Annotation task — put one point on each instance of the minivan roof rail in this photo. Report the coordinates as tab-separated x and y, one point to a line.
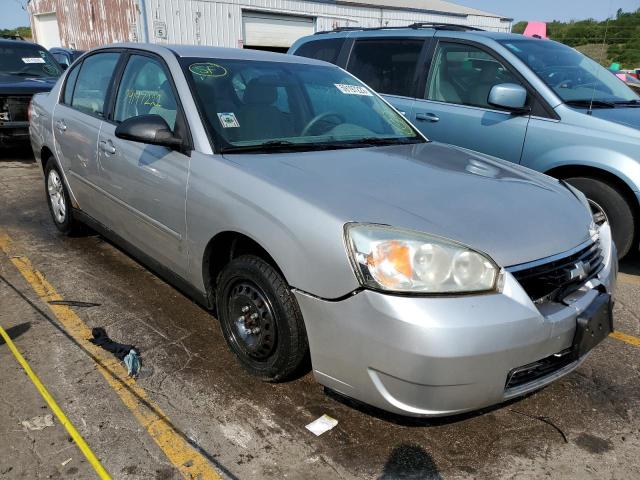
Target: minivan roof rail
414	26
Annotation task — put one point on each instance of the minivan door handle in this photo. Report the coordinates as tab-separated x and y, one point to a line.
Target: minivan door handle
427	117
61	126
107	146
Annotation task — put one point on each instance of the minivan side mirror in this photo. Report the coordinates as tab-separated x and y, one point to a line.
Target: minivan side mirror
510	96
151	129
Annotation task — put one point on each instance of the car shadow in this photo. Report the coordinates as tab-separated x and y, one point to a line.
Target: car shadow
17	153
410	462
631	264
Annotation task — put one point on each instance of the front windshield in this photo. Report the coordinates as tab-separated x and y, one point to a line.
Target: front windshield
277	105
27	60
573	76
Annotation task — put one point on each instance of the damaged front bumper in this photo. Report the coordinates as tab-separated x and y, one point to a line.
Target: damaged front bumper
436	356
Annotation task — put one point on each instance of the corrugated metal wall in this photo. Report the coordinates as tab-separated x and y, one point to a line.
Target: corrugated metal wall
89	23
85	24
213	22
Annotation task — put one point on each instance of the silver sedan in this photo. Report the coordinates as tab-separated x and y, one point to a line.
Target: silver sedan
322	228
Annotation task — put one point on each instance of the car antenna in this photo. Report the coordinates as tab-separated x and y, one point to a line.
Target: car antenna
604	45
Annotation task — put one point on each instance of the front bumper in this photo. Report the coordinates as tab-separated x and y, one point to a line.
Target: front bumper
436	356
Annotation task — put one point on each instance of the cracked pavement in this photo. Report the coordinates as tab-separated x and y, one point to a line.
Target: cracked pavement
585	426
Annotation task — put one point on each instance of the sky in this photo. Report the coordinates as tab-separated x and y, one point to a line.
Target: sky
541	10
547	10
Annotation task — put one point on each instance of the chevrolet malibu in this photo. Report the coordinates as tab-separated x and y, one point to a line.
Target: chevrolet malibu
321	227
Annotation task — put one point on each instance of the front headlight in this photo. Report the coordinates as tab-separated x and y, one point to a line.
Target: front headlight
398	260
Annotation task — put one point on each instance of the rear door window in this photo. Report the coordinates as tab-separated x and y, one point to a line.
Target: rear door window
326	50
93	83
387	65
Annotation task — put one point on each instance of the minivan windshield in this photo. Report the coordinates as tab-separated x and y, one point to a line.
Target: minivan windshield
278	106
574	77
27	60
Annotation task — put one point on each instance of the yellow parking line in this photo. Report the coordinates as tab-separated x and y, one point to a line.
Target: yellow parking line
190	462
82	445
623	337
628	279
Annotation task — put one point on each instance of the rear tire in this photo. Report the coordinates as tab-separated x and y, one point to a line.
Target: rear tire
605	197
59	200
261	320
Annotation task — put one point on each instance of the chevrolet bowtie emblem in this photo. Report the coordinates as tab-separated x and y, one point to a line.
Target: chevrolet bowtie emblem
579	271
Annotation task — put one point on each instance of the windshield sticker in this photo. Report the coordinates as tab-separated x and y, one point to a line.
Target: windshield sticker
208	70
228	120
50	69
33	60
353	89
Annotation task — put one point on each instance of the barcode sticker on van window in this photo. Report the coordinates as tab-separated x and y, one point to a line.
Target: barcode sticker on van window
228	120
353	89
33	60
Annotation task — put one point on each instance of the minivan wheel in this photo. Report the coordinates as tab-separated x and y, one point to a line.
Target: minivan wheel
59	201
260	319
607	204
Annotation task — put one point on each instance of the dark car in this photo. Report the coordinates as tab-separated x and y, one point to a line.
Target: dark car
25	68
65	56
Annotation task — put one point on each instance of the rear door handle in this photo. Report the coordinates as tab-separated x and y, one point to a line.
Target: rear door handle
61	126
427	117
107	146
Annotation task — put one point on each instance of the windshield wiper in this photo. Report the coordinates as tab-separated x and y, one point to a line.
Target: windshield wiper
588	103
21	74
377	141
629	103
280	146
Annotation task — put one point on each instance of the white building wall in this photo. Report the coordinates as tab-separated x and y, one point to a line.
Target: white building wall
213	22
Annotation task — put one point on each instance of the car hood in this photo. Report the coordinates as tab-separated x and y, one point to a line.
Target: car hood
628	116
511	213
17	85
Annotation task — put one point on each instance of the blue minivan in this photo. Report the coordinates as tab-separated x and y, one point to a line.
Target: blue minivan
534	102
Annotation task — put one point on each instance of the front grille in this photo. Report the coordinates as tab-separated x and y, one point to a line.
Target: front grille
17	108
540	369
557	278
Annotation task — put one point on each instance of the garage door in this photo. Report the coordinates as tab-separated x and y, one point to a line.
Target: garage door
47	32
274	32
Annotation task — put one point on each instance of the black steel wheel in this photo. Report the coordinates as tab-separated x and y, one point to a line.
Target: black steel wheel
260	319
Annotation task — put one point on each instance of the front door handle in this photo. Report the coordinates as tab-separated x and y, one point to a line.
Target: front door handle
107	146
61	126
427	117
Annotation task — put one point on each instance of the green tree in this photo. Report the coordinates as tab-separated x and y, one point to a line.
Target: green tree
621	35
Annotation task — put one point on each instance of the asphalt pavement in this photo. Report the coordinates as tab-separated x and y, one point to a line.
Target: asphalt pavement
194	413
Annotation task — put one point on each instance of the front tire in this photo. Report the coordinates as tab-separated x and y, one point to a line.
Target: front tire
608	204
59	201
260	319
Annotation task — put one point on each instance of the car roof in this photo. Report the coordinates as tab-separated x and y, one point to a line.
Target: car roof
10	41
201	51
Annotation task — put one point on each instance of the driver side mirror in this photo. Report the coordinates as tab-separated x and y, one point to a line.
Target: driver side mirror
151	129
510	96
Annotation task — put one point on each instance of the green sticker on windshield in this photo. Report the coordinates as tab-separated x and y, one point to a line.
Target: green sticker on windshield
208	70
51	70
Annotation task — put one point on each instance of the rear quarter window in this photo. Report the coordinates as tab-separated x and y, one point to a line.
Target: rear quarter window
387	65
326	50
